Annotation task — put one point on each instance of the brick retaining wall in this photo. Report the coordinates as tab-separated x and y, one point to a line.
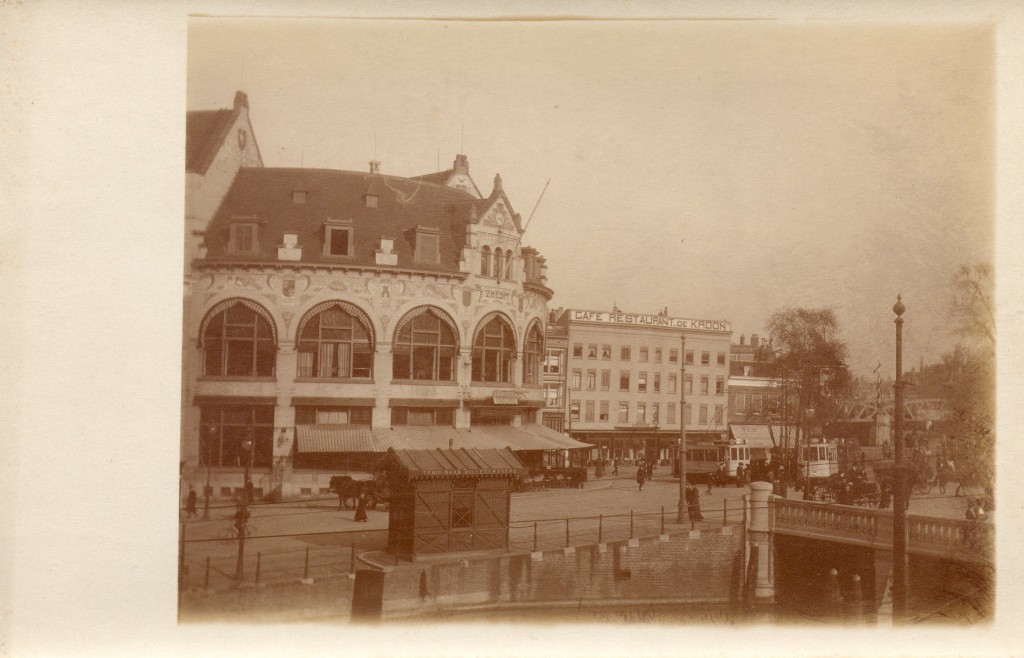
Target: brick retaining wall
699	567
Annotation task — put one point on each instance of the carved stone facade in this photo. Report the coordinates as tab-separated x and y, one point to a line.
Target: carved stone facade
273	265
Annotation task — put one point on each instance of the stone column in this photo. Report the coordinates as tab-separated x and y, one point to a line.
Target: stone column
759	529
383	364
286	369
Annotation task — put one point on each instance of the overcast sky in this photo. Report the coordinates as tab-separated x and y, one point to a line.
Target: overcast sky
724	170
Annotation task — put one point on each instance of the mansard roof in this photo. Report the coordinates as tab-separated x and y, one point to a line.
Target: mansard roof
265	196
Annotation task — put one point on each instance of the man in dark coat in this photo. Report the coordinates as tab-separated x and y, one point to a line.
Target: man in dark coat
641	476
693	502
190	502
361	507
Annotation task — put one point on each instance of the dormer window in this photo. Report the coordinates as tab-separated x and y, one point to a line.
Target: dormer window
243	238
298	196
371	200
428	242
338	239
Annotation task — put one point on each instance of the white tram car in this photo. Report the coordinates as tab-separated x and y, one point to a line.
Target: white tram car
819	460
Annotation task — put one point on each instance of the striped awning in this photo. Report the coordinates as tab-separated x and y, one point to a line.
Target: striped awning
755	436
345	438
334	438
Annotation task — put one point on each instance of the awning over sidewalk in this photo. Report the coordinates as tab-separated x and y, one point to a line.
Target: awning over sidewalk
334	438
344	438
779	432
755	436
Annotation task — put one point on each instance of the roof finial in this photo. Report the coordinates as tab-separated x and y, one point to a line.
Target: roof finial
497	182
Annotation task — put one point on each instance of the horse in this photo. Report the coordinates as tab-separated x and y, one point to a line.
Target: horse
346	489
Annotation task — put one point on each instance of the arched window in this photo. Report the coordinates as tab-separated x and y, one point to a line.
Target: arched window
493	349
334	343
238	341
424	348
499	263
532	355
485	261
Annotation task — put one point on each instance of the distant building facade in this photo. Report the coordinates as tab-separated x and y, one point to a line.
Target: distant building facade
556	349
332	315
623	381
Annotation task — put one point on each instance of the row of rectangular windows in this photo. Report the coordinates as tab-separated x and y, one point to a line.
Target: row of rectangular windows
640	412
642	381
625	354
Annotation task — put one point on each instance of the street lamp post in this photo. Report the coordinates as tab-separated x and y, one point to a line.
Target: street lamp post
242	515
207	489
682	514
899	526
808	492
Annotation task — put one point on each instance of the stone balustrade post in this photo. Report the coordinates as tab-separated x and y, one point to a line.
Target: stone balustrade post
759	535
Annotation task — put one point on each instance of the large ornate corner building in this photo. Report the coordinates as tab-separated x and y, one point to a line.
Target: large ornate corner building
331	315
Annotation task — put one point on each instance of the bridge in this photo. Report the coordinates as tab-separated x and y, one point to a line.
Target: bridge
795	545
964	541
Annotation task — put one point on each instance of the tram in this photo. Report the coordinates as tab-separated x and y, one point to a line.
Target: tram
703	458
818	461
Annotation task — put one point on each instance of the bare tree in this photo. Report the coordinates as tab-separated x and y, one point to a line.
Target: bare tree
971	372
972	305
807	351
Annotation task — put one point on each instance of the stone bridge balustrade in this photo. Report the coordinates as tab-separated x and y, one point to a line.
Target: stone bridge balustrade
970	541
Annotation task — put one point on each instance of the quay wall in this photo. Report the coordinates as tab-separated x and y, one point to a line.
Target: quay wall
703	566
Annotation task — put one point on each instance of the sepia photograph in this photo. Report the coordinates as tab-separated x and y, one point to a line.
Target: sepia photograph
588	321
511	330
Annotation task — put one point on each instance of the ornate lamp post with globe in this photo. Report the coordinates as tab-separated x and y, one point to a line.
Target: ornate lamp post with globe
900	493
682	514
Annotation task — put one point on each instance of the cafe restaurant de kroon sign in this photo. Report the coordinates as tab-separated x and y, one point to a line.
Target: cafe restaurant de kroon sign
645	320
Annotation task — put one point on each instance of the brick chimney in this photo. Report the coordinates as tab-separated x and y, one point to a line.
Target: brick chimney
374	166
461	164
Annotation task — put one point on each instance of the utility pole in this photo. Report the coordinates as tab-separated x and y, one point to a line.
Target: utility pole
682	515
899	513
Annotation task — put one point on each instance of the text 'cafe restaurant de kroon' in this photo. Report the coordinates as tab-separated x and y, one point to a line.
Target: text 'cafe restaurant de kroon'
623	377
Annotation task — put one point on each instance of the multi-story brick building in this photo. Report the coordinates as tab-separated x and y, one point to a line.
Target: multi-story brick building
556	348
330	315
623	380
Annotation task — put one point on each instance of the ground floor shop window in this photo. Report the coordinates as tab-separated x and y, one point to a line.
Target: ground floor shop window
224	428
422	416
491	416
332	415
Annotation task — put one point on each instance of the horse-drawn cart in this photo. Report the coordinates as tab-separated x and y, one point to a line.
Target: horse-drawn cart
848	489
348	488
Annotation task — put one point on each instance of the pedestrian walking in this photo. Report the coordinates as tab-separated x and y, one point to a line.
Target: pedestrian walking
361	507
641	477
941	477
650	470
692	496
190	502
974	510
885	495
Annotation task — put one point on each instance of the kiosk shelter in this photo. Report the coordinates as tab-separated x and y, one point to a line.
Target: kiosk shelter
448	501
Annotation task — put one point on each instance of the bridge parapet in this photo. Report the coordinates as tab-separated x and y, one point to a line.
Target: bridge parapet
969	541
